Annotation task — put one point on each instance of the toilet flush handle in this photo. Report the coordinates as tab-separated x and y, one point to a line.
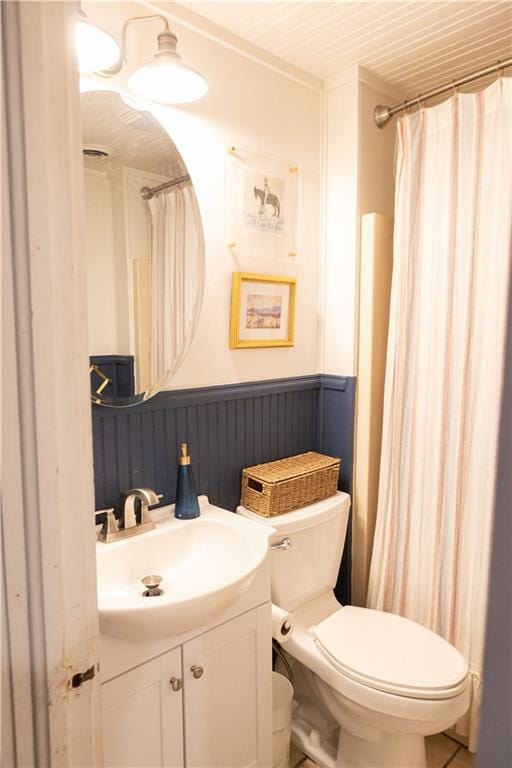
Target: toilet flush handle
284	544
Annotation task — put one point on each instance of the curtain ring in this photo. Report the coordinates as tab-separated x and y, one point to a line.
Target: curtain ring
421	101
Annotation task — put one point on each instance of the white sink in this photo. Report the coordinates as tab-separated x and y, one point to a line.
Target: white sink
206	564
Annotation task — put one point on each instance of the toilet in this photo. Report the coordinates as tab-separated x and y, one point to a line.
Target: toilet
368	685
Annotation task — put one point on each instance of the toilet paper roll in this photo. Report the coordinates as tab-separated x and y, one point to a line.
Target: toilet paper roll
282	624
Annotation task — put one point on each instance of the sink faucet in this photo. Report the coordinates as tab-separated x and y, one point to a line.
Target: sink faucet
128	525
146	497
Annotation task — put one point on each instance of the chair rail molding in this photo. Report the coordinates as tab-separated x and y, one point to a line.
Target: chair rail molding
49	613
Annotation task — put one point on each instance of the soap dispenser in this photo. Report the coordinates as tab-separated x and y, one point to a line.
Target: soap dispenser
187	505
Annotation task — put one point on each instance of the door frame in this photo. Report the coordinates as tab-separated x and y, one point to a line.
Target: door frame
50	716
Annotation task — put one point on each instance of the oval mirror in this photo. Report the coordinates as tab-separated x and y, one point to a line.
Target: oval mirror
144	250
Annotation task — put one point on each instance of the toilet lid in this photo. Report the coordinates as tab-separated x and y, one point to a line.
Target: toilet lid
391	653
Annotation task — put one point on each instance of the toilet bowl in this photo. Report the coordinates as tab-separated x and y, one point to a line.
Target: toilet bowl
369	685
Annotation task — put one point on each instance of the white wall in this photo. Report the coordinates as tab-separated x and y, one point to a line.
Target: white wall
99	256
341	184
256	102
376	147
359	179
253	106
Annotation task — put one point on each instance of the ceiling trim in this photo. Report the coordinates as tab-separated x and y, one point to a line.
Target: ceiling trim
363	75
208	29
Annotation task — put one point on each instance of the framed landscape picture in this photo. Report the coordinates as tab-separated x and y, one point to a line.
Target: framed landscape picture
262	311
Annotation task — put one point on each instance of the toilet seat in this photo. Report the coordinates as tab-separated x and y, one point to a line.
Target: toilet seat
390	653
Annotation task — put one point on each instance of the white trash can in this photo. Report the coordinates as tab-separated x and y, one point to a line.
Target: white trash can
282	695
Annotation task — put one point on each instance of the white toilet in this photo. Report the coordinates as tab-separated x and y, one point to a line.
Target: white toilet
369	685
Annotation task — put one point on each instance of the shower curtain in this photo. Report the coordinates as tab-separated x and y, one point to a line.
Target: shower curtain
176	279
452	254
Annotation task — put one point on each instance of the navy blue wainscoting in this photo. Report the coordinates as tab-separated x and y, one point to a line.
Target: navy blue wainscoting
227	428
336	428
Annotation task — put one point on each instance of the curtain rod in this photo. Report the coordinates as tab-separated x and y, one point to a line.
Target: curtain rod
383	115
148	192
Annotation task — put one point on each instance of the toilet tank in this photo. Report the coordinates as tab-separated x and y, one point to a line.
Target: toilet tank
311	565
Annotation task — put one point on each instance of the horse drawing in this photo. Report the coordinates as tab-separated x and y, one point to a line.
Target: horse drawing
259	194
267	198
273	200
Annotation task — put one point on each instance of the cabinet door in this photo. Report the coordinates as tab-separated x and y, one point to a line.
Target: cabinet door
172	709
143	717
228	706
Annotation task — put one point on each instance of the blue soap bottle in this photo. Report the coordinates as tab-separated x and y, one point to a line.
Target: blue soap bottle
187	505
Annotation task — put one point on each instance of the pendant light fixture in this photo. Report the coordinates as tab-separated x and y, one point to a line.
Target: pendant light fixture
95	48
166	79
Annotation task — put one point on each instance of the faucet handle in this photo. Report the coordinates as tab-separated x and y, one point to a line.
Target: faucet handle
151	496
148	498
145	514
110	525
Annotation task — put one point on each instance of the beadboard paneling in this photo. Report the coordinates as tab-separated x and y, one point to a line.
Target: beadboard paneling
412	45
336	422
336	426
227	428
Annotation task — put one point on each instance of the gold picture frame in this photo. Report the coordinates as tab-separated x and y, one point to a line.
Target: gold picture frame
262	311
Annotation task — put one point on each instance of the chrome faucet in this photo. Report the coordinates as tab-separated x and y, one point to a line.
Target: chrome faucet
128	525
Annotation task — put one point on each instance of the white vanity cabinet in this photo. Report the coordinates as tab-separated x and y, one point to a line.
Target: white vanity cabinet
143	716
228	709
204	704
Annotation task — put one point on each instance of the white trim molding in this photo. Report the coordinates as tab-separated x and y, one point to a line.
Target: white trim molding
49	589
185	17
363	75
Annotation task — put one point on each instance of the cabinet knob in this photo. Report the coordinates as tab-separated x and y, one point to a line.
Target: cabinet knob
176	683
197	671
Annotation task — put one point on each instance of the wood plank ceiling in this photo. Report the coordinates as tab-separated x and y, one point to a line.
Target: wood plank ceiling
134	139
414	45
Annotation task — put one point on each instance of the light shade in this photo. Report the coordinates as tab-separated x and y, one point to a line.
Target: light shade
167	80
96	49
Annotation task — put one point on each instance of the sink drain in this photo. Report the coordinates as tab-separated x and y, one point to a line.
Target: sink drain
152	586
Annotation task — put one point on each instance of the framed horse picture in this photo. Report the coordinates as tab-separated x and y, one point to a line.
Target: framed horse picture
262	195
262	311
264	208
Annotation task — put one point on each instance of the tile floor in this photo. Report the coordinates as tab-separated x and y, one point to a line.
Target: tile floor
442	751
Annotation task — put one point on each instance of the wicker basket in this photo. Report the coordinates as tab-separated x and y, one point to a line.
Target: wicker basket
280	486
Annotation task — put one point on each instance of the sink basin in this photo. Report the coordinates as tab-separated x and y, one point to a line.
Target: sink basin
205	563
